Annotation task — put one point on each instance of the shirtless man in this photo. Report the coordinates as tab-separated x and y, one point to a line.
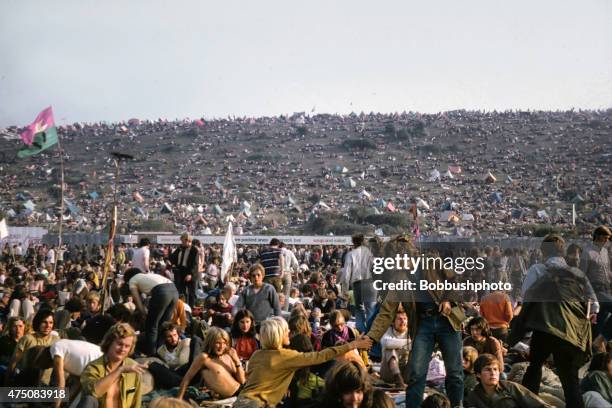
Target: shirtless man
219	365
114	380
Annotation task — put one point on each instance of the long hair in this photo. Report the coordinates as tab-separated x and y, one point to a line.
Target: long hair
480	323
40	316
347	377
118	331
212	336
241	314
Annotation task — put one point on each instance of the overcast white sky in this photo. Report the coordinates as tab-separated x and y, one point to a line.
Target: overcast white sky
115	59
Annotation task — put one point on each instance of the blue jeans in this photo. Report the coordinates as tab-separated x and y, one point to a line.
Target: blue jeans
365	300
161	306
432	330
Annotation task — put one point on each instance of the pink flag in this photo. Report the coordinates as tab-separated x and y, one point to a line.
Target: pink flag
417	231
43	121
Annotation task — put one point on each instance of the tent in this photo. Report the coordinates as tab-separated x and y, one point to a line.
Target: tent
380	203
365	195
322	206
218	209
516	214
93	195
490	178
448	174
542	214
207	231
22	196
434	175
198	122
340	169
11	213
29	205
139	211
454	169
449	205
137	197
422	204
496	197
578	199
447	216
246	205
467	217
166	209
70	207
349	183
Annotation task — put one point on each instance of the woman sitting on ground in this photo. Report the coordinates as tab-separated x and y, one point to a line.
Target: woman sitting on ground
347	385
272	368
244	337
482	340
219	366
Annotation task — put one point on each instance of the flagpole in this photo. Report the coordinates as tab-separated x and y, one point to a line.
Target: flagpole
61	215
111	238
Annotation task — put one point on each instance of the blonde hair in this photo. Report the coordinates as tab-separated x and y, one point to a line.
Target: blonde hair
168	402
212	336
118	331
93	296
272	333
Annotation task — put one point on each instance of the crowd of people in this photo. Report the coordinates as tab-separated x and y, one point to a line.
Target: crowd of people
303	326
377	163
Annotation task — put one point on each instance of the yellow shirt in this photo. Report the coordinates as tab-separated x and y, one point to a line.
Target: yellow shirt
130	389
271	371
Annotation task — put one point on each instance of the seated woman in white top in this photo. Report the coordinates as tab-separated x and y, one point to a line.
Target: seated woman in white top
163	297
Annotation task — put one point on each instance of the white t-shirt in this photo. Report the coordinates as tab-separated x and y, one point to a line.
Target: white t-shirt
76	354
51	256
140	259
145	282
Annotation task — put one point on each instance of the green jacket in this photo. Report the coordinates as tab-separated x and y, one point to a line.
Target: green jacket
507	395
388	310
556	305
130	387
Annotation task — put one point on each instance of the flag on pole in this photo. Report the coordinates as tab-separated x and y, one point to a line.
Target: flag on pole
229	252
40	135
3	229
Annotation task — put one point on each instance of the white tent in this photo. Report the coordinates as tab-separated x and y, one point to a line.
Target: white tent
434	175
467	217
448	174
422	204
365	194
349	183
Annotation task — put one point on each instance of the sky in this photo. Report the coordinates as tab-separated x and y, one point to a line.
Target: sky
114	60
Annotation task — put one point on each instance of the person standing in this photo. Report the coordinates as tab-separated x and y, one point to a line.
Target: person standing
185	261
290	266
140	257
595	263
271	259
259	298
357	275
163	298
556	310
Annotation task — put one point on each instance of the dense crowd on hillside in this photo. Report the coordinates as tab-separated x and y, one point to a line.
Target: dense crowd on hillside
470	173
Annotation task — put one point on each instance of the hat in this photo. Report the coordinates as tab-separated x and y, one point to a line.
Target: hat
602	231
